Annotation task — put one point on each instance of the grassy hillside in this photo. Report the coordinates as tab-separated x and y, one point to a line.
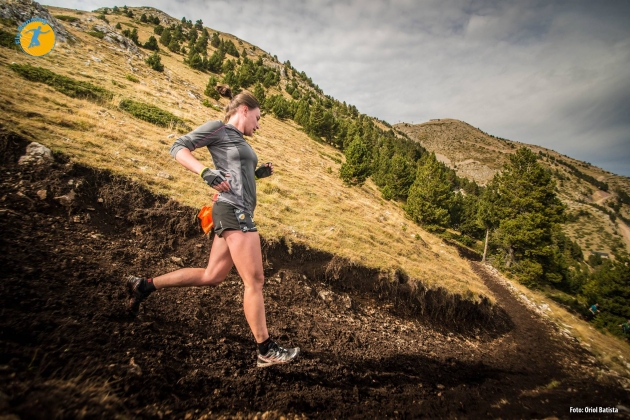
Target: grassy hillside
477	155
305	202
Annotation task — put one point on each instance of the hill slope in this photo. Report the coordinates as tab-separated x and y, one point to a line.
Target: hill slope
477	155
305	202
337	265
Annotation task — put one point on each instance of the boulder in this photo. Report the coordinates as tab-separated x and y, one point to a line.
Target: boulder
224	90
36	153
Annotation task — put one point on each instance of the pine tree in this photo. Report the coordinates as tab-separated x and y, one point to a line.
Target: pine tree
118	26
246	75
134	36
430	195
158	29
231	80
215	62
303	114
143	18
356	168
528	211
152	44
228	66
215	41
155	62
195	61
402	173
259	93
202	45
165	38
173	46
316	120
199	25
210	88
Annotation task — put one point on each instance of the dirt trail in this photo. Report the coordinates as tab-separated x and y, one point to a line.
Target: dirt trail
371	347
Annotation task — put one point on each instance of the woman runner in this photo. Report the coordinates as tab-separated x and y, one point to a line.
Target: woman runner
237	241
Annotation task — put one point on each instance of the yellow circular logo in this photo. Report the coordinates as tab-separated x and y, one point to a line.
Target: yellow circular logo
36	37
242	217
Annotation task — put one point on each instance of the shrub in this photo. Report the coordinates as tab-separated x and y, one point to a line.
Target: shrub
152	44
132	78
102	17
158	29
120	85
118	26
152	114
155	62
66	85
7	40
97	34
66	18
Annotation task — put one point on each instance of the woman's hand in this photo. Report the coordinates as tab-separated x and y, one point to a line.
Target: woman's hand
216	179
223	186
264	171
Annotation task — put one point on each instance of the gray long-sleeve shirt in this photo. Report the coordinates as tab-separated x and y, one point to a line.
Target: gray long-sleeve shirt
231	154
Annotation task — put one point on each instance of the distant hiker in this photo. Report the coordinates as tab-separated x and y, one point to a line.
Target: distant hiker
625	328
36	33
592	311
237	241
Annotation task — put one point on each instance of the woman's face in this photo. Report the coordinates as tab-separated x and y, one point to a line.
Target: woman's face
251	120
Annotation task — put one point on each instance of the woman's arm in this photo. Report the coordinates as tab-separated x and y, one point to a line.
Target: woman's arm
186	158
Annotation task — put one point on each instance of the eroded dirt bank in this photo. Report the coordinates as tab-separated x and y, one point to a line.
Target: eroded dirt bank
371	346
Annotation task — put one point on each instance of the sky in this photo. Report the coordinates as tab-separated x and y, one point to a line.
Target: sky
550	73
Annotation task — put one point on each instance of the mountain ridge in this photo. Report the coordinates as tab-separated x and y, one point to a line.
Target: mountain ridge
478	156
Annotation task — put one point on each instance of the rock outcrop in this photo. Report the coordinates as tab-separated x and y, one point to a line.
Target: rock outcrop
22	10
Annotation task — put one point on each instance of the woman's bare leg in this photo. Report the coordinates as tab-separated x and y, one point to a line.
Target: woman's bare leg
219	265
247	256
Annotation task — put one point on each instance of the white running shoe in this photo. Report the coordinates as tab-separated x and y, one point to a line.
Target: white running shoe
276	355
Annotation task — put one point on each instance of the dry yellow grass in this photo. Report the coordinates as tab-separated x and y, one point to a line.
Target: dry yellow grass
304	202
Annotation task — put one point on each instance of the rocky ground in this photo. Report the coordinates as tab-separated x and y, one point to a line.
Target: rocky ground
69	350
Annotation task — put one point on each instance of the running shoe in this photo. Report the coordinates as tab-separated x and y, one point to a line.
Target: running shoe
136	289
277	355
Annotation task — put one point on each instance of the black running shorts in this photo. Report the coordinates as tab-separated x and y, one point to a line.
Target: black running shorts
227	217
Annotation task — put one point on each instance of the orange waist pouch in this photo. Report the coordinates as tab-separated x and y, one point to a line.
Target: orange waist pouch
205	216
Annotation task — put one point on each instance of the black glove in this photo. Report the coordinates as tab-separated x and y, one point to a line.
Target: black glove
212	177
264	171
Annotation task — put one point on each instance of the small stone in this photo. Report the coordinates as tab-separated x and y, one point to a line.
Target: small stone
164	175
42	194
100	200
440	386
177	260
170	136
66	200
